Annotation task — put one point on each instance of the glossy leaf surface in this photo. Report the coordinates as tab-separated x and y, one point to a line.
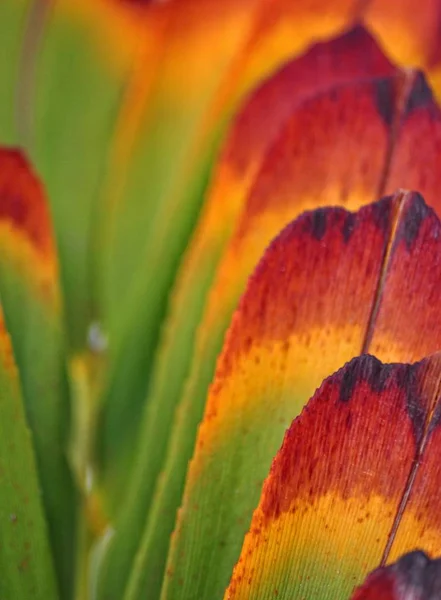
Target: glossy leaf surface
337	497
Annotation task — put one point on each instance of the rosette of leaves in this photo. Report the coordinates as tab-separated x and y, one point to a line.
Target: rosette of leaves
220	270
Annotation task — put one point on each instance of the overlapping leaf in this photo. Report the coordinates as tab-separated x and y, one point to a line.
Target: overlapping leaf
332	285
353	486
99	75
226	50
408	30
296	162
247	144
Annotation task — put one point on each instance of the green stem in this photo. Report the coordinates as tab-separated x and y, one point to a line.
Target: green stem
84	543
85	381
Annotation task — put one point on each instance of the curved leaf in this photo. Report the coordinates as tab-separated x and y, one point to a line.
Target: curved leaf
408	30
332	285
325	65
337	497
372	121
227	49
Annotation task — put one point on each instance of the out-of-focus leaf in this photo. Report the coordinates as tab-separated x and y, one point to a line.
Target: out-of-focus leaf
305	166
26	564
74	83
409	32
12	18
31	303
325	65
413	577
333	285
226	48
357	472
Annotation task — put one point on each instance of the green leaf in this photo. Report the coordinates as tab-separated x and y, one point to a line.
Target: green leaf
227	49
13	14
26	565
33	314
74	94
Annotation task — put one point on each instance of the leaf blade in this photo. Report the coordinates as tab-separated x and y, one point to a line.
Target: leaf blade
254	379
32	308
269	205
26	560
355	476
242	155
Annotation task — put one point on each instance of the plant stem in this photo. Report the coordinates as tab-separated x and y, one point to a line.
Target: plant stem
85	370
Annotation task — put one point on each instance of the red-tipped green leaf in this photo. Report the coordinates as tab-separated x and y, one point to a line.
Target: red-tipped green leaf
226	49
242	41
31	302
315	301
337	494
325	65
305	166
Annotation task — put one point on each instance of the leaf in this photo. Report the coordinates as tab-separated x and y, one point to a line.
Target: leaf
26	565
412	576
244	46
156	196
418	126
333	285
304	167
337	497
12	17
320	68
31	303
408	31
73	82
